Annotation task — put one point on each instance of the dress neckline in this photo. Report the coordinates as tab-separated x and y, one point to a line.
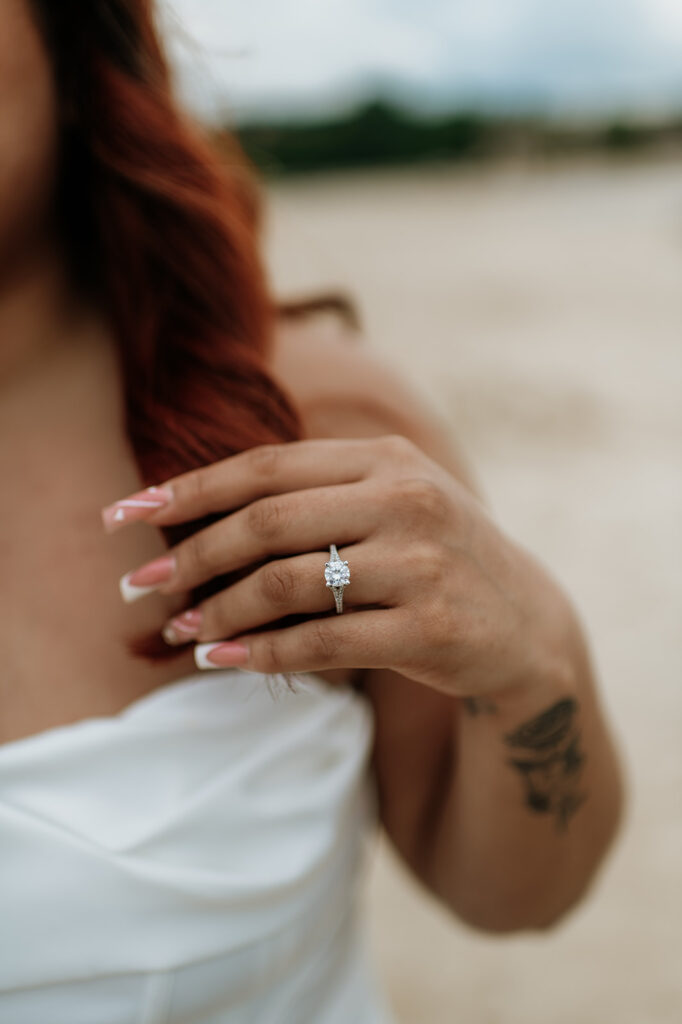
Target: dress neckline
160	695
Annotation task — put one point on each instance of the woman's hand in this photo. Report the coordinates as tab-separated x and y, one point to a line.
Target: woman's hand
437	592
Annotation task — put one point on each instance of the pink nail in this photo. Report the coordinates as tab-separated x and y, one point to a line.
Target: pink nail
137	506
183	627
146	579
220	655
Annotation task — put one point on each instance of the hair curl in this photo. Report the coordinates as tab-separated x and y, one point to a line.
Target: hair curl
165	233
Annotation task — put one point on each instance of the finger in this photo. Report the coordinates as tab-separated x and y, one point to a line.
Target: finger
290	586
361	639
280	525
247	476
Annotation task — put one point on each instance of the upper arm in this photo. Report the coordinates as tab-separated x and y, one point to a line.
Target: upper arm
347	390
343	390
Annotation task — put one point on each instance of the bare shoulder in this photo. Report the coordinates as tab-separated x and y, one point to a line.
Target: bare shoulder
344	388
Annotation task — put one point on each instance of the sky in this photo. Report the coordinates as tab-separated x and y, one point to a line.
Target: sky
264	58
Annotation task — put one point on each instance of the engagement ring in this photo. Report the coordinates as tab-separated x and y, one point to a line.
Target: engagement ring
336	576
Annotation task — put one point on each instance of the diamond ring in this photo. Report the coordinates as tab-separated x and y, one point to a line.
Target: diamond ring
336	576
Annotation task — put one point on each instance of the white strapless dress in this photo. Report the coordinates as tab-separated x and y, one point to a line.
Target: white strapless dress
195	859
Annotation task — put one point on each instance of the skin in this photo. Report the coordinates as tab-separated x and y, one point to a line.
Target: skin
62	445
498	779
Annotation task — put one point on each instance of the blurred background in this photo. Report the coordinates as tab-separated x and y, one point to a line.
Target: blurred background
498	185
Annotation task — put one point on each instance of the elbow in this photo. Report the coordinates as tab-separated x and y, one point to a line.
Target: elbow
533	908
537	893
515	915
504	920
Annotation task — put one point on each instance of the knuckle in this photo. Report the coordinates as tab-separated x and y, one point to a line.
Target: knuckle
427	561
195	488
420	498
264	460
278	584
323	645
195	557
266	518
268	657
396	445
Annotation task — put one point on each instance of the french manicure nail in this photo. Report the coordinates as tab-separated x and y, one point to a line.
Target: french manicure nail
143	581
182	628
137	506
220	655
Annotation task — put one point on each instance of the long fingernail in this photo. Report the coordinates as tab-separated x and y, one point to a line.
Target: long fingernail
137	506
182	628
147	579
220	655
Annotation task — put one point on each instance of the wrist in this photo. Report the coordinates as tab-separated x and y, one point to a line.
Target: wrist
553	668
535	693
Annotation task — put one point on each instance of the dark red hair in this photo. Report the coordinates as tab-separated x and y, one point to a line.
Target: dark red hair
165	234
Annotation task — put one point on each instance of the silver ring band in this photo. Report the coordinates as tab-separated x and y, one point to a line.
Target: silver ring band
336	576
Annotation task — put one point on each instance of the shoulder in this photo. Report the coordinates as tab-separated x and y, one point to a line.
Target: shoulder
344	388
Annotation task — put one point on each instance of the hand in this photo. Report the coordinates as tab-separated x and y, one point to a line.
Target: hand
437	592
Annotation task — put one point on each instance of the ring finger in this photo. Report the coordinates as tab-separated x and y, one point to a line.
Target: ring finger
286	586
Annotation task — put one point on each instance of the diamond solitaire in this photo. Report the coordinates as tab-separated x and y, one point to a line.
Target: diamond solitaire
336	576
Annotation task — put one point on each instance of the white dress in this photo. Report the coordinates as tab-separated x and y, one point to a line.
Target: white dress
194	859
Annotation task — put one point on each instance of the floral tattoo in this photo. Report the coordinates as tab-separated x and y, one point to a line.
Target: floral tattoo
550	761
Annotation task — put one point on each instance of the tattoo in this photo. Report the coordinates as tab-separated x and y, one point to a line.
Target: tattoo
553	762
479	706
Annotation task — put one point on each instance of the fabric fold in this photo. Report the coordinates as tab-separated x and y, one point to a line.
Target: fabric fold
209	818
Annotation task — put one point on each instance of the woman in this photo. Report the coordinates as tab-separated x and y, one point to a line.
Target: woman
182	841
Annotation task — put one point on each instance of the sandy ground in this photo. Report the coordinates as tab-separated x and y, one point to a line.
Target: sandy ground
539	310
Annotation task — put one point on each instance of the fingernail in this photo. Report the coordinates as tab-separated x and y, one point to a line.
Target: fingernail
147	579
137	506
182	628
220	655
